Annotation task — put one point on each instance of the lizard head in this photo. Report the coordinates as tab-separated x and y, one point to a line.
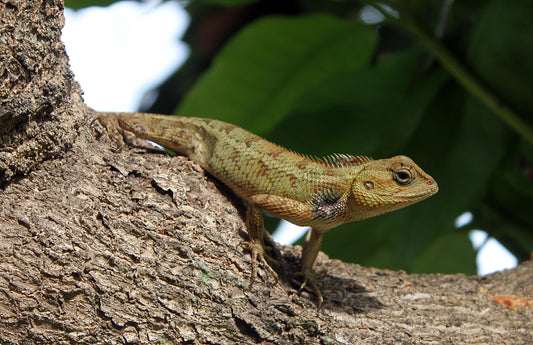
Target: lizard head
389	184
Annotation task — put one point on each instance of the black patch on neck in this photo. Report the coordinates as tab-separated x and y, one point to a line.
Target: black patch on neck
327	204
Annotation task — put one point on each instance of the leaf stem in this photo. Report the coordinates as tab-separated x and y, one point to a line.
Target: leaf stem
467	79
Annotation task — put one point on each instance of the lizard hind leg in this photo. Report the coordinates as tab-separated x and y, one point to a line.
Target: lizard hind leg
256	245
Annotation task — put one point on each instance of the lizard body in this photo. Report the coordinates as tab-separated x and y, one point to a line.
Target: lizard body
307	191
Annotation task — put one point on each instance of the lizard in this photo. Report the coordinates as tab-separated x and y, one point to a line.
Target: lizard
321	193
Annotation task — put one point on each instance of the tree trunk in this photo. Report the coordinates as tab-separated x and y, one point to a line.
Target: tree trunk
135	246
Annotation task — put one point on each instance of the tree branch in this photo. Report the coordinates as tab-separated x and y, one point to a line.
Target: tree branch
101	246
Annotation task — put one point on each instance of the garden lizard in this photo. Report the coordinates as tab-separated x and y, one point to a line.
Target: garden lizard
321	193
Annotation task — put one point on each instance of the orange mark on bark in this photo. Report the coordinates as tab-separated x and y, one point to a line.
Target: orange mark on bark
513	301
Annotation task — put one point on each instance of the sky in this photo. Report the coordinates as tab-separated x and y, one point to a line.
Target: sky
121	52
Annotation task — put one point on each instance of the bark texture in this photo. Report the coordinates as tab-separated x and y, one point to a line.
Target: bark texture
39	100
137	247
99	246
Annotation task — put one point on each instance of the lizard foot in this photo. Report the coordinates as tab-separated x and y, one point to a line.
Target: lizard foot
310	281
111	124
268	257
258	254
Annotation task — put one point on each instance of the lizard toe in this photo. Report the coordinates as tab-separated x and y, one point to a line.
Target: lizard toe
309	280
258	254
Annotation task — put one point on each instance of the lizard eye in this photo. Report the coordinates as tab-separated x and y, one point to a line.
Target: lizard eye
402	176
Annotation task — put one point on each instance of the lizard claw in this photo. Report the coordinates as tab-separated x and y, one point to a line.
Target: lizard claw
271	261
258	254
310	280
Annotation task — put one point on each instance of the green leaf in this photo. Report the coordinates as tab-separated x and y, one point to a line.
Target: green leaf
450	253
78	4
505	212
526	150
228	2
500	50
373	111
258	76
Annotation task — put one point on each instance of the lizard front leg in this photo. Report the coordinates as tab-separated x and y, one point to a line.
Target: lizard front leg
256	245
294	210
313	241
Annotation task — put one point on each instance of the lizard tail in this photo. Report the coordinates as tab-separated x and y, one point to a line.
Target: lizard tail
183	135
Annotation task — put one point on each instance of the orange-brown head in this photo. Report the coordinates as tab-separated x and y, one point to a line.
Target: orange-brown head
389	184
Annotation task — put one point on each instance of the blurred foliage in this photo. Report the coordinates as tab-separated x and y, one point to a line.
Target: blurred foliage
447	83
77	4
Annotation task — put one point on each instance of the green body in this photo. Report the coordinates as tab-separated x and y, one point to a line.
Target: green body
307	191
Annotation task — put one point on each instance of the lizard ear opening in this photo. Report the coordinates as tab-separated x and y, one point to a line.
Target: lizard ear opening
369	185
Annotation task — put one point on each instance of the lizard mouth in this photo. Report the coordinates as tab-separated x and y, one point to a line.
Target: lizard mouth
429	189
421	193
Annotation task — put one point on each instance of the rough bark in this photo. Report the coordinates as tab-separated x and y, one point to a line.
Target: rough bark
39	100
134	246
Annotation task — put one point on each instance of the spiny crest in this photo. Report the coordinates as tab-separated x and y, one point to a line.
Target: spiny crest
335	160
340	160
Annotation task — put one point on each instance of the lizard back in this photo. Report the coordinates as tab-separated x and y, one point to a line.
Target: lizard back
242	160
